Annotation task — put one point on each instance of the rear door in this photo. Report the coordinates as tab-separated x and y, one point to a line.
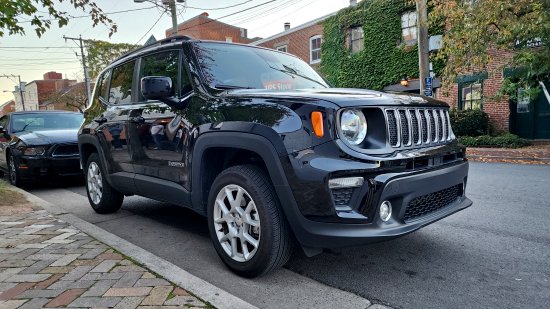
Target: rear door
157	133
117	95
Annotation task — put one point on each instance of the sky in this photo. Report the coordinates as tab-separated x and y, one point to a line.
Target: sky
34	56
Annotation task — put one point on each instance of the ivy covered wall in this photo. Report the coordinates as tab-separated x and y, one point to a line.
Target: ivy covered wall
384	59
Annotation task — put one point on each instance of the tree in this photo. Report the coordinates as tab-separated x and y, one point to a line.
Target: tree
42	13
475	27
101	54
74	97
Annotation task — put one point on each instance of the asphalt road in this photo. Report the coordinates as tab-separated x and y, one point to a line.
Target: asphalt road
496	254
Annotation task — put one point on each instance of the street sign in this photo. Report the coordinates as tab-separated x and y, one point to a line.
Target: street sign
429	90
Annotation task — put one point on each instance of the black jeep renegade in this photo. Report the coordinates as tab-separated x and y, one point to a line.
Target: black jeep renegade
276	159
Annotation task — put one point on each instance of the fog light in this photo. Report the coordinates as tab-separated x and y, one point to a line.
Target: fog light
349	182
385	211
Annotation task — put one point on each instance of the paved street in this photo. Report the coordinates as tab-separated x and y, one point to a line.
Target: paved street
495	254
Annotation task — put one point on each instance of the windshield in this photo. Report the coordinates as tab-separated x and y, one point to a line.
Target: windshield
46	121
226	66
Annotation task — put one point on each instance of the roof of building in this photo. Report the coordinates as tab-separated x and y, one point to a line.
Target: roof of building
291	30
203	15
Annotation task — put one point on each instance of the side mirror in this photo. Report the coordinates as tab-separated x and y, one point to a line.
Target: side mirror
156	87
161	88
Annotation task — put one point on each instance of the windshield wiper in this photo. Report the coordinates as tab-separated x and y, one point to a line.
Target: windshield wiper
290	71
224	86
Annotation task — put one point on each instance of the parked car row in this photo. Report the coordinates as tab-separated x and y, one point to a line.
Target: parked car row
259	143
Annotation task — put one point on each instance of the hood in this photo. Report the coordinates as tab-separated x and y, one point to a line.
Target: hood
343	97
48	137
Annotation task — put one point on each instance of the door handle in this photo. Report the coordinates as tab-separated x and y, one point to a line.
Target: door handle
100	120
138	119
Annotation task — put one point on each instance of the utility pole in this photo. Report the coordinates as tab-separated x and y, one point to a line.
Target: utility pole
86	73
423	44
18	87
174	13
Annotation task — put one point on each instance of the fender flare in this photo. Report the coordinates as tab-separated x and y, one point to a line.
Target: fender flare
89	139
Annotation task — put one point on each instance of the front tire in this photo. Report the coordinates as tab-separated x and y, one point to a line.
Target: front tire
103	198
246	224
13	171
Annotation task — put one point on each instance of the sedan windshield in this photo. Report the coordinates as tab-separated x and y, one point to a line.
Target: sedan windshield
46	121
226	66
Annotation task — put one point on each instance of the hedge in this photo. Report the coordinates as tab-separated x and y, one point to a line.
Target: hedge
470	122
507	140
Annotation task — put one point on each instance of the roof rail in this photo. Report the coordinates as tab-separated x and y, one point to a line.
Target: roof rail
171	39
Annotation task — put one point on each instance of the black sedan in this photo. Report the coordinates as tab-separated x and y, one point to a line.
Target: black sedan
39	144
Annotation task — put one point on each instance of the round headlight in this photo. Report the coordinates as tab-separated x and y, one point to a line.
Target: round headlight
354	126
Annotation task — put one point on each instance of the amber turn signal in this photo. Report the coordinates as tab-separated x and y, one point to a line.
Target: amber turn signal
317	123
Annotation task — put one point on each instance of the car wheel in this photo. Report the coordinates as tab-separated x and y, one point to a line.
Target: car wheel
13	171
246	224
103	198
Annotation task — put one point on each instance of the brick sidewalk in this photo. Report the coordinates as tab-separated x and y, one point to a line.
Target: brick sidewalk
46	263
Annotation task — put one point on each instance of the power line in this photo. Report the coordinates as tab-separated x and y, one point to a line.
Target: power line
156	22
33	47
89	15
217	19
214	9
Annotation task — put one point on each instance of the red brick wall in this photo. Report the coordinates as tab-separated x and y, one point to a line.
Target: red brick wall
52	75
498	110
8	108
204	28
297	41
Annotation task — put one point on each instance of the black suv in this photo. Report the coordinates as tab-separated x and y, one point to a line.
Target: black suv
263	146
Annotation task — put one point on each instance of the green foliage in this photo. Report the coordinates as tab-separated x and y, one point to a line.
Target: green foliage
470	122
477	28
384	59
14	14
507	140
101	54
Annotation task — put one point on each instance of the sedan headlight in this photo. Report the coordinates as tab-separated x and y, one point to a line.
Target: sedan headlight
353	126
34	151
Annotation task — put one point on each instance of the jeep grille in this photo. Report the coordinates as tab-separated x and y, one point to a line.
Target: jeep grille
408	127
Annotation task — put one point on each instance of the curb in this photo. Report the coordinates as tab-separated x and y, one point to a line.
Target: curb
208	292
508	158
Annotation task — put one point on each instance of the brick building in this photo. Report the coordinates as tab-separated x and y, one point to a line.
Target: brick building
203	27
36	93
303	41
7	107
72	98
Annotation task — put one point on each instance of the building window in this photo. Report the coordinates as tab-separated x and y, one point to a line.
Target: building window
315	49
471	96
408	27
229	39
282	48
356	40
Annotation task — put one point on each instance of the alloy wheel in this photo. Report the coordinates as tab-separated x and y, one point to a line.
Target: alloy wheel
95	183
237	223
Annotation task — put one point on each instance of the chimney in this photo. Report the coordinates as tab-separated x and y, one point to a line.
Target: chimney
352	2
287	26
205	14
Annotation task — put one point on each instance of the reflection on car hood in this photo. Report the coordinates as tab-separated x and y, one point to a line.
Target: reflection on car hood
48	136
343	97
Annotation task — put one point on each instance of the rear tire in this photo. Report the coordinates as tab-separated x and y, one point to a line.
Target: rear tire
103	198
246	223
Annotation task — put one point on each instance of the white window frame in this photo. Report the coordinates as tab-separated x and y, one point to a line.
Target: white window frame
311	50
353	39
281	47
409	27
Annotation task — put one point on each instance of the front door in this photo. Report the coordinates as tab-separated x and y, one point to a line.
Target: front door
531	118
157	134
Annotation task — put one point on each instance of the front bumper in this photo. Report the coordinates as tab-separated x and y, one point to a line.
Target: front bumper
400	190
43	167
317	222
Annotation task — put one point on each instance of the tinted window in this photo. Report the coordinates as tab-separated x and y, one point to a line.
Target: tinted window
44	122
161	64
120	90
227	66
104	83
